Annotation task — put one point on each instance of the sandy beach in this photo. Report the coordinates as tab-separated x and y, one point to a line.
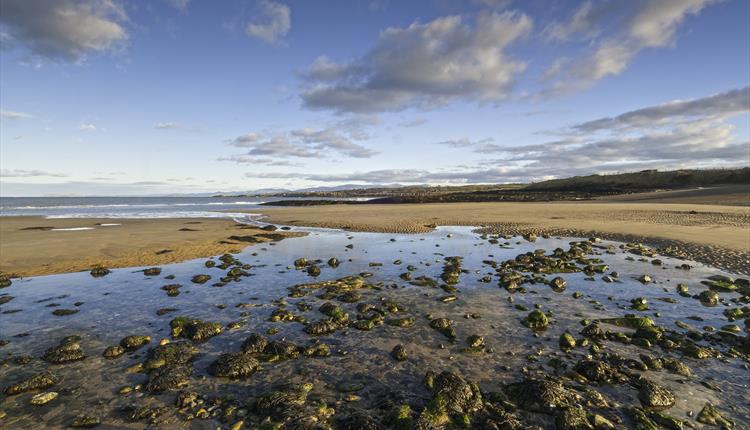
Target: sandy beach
713	234
31	246
708	233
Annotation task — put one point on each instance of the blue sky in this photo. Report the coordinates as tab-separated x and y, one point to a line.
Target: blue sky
113	97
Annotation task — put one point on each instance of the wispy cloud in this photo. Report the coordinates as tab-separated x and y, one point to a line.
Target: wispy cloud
87	126
180	5
423	65
21	173
166	125
614	32
13	115
272	23
337	140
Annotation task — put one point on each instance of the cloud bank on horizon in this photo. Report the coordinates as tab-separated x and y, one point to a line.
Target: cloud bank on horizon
185	96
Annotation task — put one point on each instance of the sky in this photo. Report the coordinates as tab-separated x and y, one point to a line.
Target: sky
110	97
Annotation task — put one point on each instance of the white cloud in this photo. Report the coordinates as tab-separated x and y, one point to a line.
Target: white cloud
274	22
674	135
678	133
724	104
13	115
166	125
614	33
87	126
423	65
63	29
21	173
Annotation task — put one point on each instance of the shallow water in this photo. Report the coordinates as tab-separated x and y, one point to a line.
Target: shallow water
125	302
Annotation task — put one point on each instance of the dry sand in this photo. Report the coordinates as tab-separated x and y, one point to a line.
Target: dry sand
718	235
28	246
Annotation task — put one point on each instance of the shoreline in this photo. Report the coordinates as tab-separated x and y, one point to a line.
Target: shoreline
715	235
31	245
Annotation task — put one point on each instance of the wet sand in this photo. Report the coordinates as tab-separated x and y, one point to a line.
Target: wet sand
713	234
31	246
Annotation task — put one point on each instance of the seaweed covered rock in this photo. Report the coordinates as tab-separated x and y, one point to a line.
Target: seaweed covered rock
599	372
444	326
451	270
99	271
653	395
194	329
709	298
322	327
332	288
536	320
35	382
567	342
113	351
399	353
454	400
541	395
69	349
573	418
282	349
152	271
234	365
170	377
255	343
169	354
5	280
710	415
84	421
200	279
134	342
558	284
282	404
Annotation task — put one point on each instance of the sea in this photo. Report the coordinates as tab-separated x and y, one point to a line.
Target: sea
133	207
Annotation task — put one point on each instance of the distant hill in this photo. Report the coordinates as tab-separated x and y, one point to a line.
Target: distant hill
646	180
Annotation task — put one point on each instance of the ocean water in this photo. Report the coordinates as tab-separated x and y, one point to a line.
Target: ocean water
130	207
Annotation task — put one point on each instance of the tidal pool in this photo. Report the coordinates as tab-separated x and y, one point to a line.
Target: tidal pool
356	382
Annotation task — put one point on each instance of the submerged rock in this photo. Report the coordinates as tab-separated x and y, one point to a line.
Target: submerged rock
84	422
44	398
36	382
66	351
444	326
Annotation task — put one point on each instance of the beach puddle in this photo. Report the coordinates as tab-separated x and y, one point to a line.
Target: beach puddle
639	350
